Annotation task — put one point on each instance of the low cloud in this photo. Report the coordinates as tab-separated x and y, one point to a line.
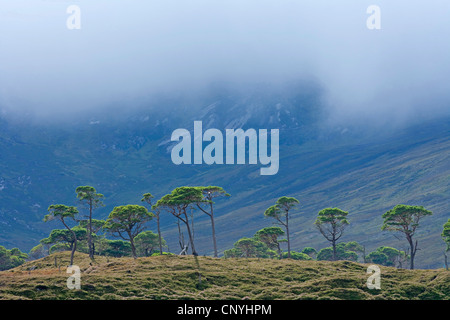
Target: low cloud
127	50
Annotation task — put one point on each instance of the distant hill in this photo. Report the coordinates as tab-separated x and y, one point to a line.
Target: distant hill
360	168
177	277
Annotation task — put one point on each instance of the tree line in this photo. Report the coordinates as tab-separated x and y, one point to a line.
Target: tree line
331	223
127	225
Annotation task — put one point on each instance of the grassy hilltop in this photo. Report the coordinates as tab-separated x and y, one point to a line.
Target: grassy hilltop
176	277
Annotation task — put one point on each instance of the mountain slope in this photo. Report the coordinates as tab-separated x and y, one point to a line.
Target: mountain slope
365	171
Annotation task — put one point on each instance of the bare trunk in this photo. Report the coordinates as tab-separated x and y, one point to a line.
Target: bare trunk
279	250
191	239
364	254
287	236
445	260
333	243
91	251
413	249
213	231
74	248
213	228
133	248
180	236
159	234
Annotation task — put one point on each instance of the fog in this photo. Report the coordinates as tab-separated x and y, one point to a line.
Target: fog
131	50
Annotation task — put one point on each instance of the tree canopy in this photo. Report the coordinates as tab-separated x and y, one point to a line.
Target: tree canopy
331	223
11	258
405	219
62	212
280	212
89	195
127	222
177	202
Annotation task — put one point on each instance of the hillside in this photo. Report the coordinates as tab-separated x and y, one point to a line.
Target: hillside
176	277
361	169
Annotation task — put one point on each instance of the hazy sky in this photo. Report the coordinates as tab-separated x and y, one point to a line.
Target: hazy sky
127	49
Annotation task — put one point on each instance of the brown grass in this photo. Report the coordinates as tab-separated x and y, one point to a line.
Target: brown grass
177	277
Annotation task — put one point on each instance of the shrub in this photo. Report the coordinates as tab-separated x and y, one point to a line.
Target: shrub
297	256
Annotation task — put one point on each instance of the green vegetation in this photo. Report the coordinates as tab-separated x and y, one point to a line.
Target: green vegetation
147	198
209	193
123	160
297	256
249	248
127	222
255	267
280	212
446	237
340	252
147	242
115	248
331	223
269	236
177	203
388	256
89	196
63	239
405	219
62	212
11	258
309	251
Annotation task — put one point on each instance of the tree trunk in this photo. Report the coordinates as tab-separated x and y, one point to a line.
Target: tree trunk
279	250
133	248
180	235
159	234
445	260
333	243
287	235
91	251
413	249
191	240
74	247
213	231
364	254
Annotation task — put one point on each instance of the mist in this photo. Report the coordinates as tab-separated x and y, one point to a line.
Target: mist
129	51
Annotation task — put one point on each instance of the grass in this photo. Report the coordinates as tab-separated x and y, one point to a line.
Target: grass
177	278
